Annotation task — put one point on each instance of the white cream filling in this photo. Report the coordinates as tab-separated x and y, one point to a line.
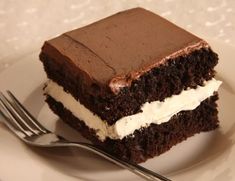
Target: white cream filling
154	112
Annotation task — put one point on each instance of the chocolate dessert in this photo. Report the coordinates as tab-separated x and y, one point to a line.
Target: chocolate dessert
133	83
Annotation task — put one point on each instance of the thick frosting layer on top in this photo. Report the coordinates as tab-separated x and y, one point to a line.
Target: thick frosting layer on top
119	49
154	112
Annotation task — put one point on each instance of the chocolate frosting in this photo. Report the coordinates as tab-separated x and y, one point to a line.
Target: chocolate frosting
119	49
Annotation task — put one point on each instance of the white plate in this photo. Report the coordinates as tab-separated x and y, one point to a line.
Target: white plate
206	156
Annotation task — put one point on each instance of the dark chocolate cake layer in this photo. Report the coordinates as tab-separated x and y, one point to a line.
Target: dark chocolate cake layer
153	140
161	82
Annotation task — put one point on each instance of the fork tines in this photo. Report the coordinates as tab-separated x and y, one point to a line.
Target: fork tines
17	117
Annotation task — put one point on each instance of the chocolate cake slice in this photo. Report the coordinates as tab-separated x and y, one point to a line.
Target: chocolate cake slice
133	83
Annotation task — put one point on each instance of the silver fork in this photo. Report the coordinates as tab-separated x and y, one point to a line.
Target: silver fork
29	130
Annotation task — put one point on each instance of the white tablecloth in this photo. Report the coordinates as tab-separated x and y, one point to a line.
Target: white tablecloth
24	25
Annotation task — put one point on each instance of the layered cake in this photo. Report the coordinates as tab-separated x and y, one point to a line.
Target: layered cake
133	83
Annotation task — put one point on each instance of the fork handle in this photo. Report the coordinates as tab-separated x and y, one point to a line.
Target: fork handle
136	169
